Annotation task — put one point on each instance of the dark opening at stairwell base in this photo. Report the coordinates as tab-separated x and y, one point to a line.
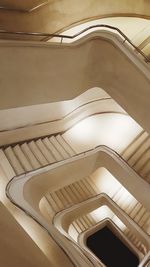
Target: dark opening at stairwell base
111	250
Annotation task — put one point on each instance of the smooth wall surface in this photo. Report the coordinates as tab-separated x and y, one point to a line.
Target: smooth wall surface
60	14
34	73
16	247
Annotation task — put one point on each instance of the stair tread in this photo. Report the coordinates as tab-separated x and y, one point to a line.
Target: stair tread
22	158
52	149
130	150
27	151
65	145
139	153
14	161
45	151
37	153
63	199
59	148
145	169
5	163
57	200
66	195
52	203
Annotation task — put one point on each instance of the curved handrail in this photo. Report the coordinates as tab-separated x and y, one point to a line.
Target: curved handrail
46	168
62	36
56	216
106	196
146	261
70	112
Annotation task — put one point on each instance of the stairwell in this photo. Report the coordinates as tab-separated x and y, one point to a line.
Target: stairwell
38	153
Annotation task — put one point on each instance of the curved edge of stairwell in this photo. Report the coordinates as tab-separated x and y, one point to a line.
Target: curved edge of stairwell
105	222
16	188
61	220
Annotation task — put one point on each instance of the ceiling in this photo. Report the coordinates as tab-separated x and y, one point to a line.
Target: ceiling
55	16
19	5
58	15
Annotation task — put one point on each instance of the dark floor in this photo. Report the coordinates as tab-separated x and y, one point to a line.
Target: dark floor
110	249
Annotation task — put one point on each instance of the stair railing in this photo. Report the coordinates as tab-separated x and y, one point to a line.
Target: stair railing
48	36
146	261
88	253
46	168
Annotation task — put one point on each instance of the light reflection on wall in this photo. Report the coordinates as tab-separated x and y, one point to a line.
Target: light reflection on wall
116	131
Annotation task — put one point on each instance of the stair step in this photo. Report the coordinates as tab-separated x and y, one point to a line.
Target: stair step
58	202
37	153
122	200
76	226
80	224
59	148
52	202
84	189
73	144
28	153
139	215
7	167
92	184
88	222
134	146
47	208
118	194
71	195
63	199
14	161
91	219
131	206
138	154
52	149
146	226
65	145
84	222
145	169
73	232
22	158
88	187
76	193
45	151
66	195
80	190
136	209
144	218
143	159
135	241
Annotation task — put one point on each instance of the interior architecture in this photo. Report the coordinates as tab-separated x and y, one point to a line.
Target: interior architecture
74	133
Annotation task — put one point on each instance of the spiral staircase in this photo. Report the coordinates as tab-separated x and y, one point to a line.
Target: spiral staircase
59	183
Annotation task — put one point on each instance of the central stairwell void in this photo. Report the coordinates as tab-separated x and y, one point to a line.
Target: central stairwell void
110	249
71	186
70	183
75	205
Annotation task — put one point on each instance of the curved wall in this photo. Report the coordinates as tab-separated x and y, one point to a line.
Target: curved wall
57	15
106	63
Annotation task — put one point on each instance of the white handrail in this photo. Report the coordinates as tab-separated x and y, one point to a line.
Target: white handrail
78	258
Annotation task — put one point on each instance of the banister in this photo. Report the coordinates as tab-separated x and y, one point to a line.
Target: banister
146	258
62	36
45	169
146	261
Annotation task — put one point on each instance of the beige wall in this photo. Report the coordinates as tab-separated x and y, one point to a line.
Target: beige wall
37	74
25	227
58	15
16	247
